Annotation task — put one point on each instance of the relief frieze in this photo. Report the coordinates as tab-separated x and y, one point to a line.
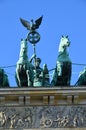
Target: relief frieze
42	117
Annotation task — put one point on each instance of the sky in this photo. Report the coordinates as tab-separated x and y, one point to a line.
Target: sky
60	17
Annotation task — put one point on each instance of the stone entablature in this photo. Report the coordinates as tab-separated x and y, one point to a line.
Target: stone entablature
43	96
37	108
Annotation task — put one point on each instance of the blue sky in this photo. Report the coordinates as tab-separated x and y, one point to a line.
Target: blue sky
60	17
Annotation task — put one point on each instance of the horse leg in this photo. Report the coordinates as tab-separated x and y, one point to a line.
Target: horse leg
18	78
69	74
28	78
54	78
69	79
59	68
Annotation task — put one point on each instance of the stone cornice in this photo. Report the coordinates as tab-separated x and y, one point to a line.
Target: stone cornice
43	96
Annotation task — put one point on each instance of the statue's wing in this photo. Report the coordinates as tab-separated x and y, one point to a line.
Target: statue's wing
38	22
25	23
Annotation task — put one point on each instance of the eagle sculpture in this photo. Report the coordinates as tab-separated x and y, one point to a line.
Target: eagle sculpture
33	25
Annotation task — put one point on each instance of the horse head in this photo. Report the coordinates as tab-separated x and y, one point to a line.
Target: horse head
64	43
63	54
24	48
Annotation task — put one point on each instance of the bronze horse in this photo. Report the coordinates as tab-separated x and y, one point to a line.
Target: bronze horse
62	72
24	72
4	82
82	78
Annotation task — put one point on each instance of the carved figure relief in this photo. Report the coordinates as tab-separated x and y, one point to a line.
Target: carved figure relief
2	118
60	119
42	117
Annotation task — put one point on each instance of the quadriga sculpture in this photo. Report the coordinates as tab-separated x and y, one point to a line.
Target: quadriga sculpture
62	73
24	72
82	78
4	82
